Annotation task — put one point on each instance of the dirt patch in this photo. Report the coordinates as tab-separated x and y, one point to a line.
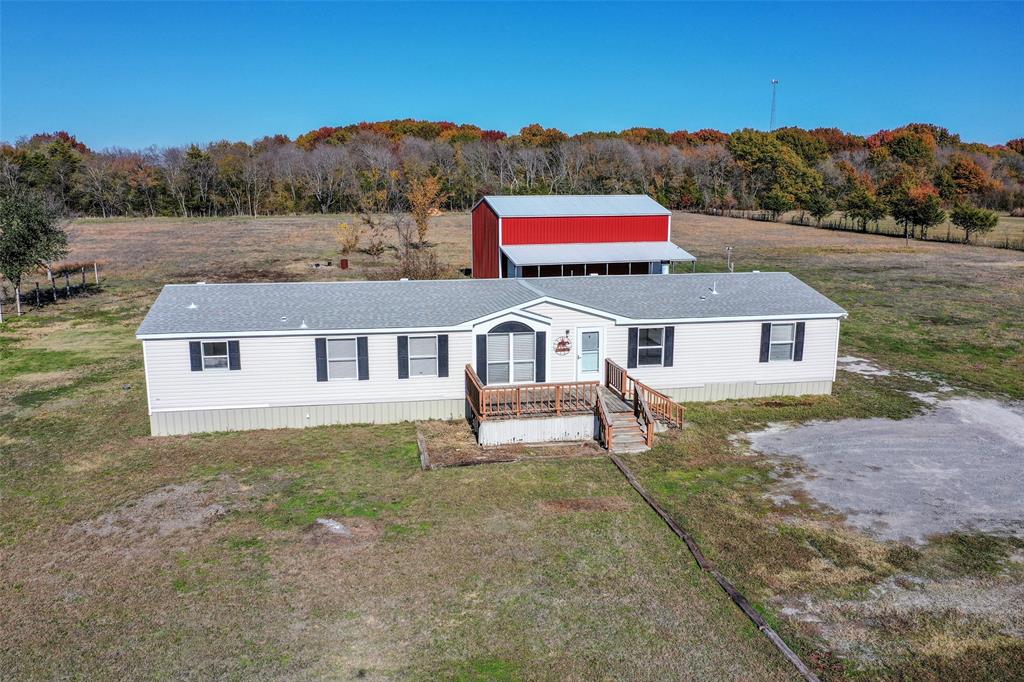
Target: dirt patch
166	511
452	443
584	504
850	626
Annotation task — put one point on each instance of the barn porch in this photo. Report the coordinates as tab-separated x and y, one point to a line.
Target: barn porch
622	414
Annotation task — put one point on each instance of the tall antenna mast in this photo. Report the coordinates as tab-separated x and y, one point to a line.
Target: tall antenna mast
771	124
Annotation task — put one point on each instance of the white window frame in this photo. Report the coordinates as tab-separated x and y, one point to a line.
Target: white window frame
511	360
660	347
791	343
354	357
205	355
423	357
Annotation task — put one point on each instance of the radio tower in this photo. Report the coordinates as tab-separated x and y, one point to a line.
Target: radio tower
771	124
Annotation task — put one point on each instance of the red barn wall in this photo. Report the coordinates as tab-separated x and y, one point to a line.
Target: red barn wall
579	229
485	242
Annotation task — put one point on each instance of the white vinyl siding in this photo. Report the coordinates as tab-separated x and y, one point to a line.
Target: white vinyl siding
704	352
281	370
342	359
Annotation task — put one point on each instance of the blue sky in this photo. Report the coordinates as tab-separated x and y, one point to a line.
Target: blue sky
135	74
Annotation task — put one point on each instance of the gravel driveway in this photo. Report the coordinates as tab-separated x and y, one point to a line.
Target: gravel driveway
957	467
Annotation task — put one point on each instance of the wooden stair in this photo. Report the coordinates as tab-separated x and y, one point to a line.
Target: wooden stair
630	435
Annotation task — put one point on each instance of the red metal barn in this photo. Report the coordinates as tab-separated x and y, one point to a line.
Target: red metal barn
555	236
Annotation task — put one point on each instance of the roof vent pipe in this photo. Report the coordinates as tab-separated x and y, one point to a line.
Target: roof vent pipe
303	325
192	305
714	287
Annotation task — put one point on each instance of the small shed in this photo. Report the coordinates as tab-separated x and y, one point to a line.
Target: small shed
569	235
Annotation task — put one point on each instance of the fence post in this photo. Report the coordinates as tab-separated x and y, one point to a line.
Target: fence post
83	277
39	302
558	399
67	284
17	300
96	272
53	288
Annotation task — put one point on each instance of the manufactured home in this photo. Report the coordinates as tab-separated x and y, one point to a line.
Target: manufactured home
572	235
503	352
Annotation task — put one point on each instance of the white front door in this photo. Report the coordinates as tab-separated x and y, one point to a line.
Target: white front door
589	366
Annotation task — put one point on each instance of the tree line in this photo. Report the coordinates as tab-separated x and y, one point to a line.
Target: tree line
915	173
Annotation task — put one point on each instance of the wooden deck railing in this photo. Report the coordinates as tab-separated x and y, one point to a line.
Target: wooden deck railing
607	428
643	413
618	380
521	400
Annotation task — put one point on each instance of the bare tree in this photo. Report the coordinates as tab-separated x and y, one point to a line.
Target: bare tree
172	166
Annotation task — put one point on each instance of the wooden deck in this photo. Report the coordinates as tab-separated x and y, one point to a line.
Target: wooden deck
526	400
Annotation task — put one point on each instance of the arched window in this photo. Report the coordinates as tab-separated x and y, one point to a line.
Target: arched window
511	354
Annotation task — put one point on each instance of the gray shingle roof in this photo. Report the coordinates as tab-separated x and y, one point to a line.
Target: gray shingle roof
327	305
684	297
189	309
562	205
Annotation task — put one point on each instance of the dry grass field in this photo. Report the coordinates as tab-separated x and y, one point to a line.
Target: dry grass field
123	555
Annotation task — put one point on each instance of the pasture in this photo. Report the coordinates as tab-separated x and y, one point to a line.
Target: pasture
203	555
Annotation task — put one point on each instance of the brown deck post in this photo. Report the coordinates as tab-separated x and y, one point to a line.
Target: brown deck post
558	400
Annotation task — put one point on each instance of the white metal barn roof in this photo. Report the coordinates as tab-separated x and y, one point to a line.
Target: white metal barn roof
600	252
574	205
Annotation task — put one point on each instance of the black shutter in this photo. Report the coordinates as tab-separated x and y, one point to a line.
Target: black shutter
634	341
363	356
481	358
540	358
442	355
195	356
234	361
798	349
403	357
670	342
321	359
766	340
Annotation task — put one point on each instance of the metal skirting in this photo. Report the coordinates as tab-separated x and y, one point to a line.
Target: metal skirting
246	418
746	389
537	429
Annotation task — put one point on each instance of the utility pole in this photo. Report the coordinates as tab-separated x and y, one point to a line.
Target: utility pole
771	124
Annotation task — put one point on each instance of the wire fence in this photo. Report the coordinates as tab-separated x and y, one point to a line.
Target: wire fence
60	282
943	233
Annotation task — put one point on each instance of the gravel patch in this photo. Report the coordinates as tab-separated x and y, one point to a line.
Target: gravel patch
957	467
